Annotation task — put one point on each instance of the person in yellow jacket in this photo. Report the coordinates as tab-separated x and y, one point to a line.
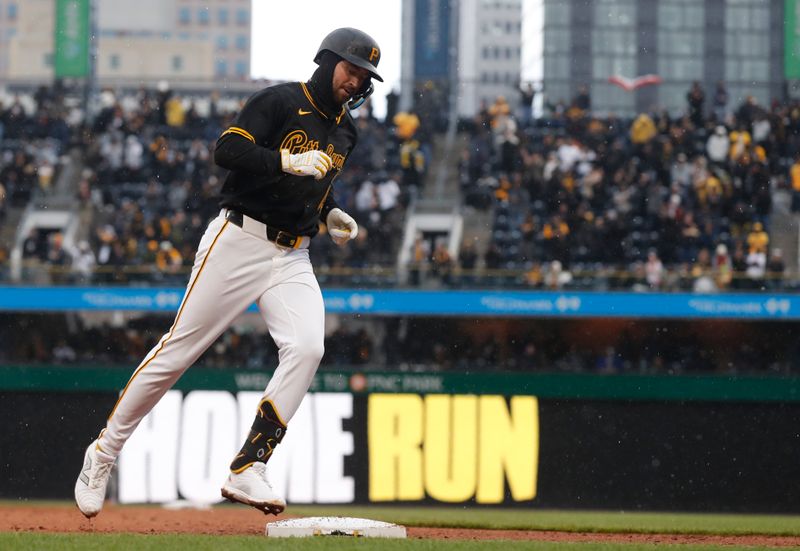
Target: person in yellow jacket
757	239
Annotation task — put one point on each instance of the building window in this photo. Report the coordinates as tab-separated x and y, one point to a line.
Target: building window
184	16
680	43
744	44
241	68
202	16
221	67
241	42
12	12
747	45
557	12
742	15
557	41
680	46
557	67
113	62
177	63
48	59
222	42
222	16
242	17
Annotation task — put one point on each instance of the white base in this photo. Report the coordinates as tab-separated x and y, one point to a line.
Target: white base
334	526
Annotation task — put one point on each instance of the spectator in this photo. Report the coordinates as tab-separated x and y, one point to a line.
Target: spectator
757	239
756	268
775	268
527	95
419	258
702	273
57	258
392	100
441	262
720	102
582	99
83	263
681	171
794	176
718	145
722	267
555	276
739	265
35	246
695	98
654	271
643	129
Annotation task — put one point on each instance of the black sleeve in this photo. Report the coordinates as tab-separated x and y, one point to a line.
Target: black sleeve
239	147
330	202
328	206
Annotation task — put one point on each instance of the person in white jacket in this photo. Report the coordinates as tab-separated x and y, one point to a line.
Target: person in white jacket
718	145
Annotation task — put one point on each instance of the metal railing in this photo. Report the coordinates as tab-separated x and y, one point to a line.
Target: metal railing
421	276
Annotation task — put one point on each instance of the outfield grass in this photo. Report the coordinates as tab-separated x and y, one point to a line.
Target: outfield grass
571	521
120	542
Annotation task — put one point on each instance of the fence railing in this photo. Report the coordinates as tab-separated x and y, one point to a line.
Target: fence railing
428	275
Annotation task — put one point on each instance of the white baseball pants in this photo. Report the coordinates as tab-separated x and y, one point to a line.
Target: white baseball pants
233	268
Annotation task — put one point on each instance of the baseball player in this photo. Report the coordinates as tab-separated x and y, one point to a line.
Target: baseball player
284	151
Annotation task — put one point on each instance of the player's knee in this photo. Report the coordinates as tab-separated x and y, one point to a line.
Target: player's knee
310	352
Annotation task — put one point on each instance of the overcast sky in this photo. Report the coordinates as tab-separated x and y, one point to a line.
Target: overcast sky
286	36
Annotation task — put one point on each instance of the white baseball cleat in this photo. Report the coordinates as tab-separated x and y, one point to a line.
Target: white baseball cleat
90	488
251	487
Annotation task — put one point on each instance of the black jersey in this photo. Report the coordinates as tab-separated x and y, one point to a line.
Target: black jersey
285	116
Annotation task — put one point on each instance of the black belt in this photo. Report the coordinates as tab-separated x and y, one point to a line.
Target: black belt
279	237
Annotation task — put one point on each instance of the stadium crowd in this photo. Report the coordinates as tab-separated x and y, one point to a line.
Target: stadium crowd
577	201
427	344
658	202
153	186
149	185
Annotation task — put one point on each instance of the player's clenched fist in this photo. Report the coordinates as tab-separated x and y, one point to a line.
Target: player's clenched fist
311	163
341	226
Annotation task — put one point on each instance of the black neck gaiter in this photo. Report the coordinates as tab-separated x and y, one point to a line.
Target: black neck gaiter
321	84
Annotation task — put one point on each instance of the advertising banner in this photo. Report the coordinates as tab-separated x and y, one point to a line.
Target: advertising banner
431	38
749	306
72	31
444	448
342	449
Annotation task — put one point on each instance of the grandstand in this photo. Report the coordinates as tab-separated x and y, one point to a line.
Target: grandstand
571	201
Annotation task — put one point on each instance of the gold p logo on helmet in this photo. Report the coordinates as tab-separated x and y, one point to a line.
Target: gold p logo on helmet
354	46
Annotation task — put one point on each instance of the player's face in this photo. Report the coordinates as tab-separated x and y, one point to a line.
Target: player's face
347	80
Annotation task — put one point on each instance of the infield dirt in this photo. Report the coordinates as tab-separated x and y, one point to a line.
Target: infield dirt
245	521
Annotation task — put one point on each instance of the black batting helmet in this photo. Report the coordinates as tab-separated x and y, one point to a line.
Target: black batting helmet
355	46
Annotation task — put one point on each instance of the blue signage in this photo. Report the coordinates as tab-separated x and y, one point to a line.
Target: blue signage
761	306
431	38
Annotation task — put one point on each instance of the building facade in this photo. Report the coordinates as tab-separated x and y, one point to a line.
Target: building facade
472	45
738	42
142	41
489	52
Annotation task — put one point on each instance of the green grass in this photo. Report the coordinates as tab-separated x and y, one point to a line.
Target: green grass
571	521
115	542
